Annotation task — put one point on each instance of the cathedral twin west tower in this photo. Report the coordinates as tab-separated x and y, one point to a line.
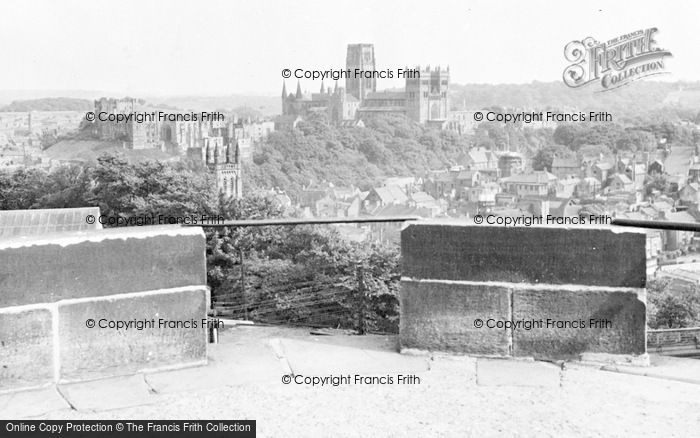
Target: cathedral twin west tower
424	99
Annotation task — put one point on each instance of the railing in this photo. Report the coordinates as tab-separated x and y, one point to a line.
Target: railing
659	341
314	221
659	225
326	302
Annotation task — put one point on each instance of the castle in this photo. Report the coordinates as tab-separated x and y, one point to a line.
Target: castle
215	144
424	99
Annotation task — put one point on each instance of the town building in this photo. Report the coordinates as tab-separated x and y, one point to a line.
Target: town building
539	183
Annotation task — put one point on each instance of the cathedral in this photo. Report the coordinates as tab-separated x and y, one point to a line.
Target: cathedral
423	100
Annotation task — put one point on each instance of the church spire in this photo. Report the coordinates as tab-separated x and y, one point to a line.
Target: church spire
335	89
298	90
323	89
284	89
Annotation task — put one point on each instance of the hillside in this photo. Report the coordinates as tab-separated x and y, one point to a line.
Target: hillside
388	146
639	96
242	104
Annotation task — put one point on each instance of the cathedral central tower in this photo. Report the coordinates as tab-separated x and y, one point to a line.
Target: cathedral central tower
360	57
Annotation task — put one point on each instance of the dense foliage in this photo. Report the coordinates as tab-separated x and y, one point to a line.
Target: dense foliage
301	275
672	306
389	146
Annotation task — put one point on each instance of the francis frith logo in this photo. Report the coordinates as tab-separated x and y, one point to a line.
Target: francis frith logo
615	62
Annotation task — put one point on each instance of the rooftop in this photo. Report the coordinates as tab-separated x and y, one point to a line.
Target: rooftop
390	194
538	177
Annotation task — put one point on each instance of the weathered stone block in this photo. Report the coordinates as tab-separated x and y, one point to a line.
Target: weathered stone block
589	321
596	256
99	263
440	317
97	352
26	353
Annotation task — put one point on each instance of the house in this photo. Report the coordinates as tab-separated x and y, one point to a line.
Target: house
637	173
441	185
350	208
655	168
510	163
690	194
343	193
602	171
539	183
408	184
465	180
383	196
483	195
421	198
505	199
480	158
565	167
621	183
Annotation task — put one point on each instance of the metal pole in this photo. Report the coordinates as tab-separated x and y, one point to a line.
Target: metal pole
361	299
659	225
243	297
295	221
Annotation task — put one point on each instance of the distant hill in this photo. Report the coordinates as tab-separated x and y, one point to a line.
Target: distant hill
49	104
539	96
264	105
7	96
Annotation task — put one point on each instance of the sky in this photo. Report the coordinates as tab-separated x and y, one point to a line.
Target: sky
201	47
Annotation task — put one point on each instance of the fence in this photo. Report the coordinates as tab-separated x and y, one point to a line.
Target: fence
342	301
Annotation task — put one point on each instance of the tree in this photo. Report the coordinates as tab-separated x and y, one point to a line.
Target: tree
544	157
22	189
672	306
658	182
566	134
636	140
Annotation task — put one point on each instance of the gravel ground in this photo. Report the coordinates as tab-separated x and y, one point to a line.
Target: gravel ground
448	402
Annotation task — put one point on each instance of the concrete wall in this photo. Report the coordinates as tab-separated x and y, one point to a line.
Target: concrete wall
51	286
575	292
